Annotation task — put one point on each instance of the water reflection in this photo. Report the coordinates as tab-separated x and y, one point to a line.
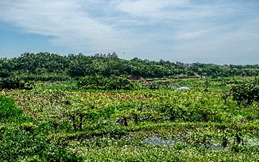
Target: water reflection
155	140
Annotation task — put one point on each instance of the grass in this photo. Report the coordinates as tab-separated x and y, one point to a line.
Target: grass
194	119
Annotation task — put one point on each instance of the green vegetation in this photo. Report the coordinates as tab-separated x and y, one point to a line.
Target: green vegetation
105	83
247	92
21	138
54	67
81	108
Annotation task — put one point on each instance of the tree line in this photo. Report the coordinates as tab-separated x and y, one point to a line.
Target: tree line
78	65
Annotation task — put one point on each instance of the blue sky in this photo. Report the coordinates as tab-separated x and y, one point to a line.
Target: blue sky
205	31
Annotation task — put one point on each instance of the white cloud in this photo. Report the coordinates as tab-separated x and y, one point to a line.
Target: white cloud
200	33
66	21
183	30
229	46
172	10
149	8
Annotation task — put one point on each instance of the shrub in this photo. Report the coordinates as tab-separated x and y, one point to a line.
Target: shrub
104	83
20	143
8	109
15	83
246	92
45	77
10	83
62	155
20	138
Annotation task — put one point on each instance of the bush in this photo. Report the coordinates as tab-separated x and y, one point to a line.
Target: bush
15	144
8	110
246	92
20	138
21	144
45	77
15	83
62	155
104	83
10	83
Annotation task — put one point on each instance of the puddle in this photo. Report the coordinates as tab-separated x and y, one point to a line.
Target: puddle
250	141
155	140
213	147
216	147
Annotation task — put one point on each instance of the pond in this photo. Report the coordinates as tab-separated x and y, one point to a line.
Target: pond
246	141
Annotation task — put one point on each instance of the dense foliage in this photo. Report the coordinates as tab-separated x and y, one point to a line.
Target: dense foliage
101	125
105	83
15	83
85	108
8	110
247	92
30	64
20	138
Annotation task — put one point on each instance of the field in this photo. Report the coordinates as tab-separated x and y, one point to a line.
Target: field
57	121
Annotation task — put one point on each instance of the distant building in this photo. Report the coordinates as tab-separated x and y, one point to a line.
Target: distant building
179	63
113	55
190	65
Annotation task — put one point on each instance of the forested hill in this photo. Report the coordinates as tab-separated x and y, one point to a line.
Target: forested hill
81	65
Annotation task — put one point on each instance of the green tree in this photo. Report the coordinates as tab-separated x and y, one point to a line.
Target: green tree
246	92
